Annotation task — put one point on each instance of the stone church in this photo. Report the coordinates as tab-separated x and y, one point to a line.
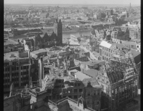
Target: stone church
54	39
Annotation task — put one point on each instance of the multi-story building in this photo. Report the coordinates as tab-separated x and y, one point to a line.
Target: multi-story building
16	69
128	44
38	57
119	83
92	96
10	45
40	101
73	88
105	50
112	51
17	103
56	89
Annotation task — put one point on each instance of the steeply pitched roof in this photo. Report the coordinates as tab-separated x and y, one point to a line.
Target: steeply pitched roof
116	71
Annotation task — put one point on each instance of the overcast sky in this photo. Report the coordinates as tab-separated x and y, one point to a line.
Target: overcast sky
136	2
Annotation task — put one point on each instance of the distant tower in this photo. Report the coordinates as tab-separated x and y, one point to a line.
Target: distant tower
59	33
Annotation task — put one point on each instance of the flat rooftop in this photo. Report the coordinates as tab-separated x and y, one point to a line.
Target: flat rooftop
11	56
10	41
36	52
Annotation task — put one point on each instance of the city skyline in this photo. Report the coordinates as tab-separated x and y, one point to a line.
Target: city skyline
86	2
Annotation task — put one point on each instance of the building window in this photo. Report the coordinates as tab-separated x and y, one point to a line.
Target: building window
88	94
115	91
80	90
7	69
6	64
75	90
97	102
78	84
75	97
88	102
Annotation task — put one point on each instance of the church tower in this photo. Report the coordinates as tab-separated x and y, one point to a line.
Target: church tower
59	33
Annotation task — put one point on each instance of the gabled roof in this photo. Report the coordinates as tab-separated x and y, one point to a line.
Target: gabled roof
46	37
38	37
53	35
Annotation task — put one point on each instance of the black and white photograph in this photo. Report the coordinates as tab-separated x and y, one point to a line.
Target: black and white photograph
72	55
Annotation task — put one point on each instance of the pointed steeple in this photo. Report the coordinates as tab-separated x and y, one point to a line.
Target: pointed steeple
45	37
38	38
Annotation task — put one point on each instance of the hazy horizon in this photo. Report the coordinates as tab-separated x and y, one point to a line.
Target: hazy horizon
73	2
